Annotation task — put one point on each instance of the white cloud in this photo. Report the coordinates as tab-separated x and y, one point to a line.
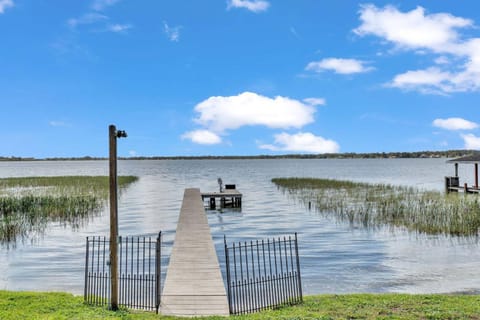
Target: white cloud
426	33
431	80
443	143
173	33
414	29
202	137
315	101
88	18
4	4
248	109
338	65
99	5
219	114
252	5
441	60
472	142
119	27
454	124
294	32
68	46
302	142
54	123
132	153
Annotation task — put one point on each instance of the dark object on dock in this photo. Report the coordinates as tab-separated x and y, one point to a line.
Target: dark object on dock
230	187
220	184
452	184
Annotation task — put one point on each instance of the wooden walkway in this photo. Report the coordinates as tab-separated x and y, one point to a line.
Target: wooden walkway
194	284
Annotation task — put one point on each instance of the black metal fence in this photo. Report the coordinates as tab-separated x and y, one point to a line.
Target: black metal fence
262	274
139	272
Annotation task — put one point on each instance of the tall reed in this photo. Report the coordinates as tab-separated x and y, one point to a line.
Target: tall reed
380	204
28	204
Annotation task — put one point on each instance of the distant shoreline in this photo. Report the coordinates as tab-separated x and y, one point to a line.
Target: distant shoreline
374	155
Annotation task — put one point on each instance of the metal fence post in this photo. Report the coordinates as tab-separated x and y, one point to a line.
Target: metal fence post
227	266
86	274
298	268
158	264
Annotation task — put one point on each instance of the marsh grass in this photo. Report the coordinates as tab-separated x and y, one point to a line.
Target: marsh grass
372	205
28	204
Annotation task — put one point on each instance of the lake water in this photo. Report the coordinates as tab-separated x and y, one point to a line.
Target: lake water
335	257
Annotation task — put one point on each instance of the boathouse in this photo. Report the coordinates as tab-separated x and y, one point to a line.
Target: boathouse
452	183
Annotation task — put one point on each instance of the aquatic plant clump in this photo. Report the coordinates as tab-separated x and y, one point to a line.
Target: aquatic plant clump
28	204
372	205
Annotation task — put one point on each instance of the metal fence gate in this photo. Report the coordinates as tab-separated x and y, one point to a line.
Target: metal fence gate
262	274
139	272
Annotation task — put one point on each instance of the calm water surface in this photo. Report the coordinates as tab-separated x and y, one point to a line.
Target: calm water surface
335	257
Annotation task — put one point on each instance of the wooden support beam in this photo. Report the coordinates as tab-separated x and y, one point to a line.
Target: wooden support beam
113	218
476	175
113	135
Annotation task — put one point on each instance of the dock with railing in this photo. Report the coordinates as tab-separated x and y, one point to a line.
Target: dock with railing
452	183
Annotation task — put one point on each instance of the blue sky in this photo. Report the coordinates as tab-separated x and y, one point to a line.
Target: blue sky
238	77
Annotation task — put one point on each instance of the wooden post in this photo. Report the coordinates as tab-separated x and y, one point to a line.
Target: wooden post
456	169
113	135
476	175
113	218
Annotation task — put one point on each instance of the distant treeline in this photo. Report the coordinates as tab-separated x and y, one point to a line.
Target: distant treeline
350	155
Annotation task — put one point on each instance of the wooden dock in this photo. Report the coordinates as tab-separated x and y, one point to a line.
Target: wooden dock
465	189
194	284
452	183
228	198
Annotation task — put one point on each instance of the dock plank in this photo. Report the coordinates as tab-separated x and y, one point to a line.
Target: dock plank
194	284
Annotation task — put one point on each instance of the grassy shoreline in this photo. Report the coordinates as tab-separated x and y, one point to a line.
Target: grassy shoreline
55	305
371	205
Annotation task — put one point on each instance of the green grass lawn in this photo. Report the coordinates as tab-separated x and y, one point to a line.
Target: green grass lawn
36	305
